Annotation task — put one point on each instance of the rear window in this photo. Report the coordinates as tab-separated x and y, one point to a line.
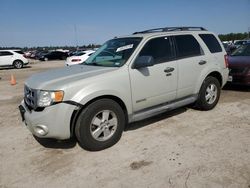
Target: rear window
79	53
187	46
19	51
243	50
211	42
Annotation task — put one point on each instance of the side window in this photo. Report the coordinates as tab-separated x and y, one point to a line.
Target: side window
187	46
159	48
211	42
5	53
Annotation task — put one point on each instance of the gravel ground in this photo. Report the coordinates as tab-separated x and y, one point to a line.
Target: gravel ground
182	148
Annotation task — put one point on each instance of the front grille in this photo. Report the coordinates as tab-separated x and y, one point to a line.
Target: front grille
30	97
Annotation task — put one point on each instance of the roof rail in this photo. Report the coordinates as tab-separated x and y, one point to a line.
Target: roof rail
168	29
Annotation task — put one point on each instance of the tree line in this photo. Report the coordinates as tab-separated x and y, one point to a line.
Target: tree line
40	48
233	36
223	37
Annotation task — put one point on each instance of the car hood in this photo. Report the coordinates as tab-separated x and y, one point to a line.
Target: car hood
58	78
239	61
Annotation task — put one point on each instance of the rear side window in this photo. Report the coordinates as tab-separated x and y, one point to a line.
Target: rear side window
159	48
187	46
211	42
5	53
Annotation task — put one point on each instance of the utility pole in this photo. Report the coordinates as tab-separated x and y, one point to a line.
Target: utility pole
248	33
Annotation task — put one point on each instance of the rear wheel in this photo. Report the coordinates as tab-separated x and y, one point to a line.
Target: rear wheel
100	125
209	94
18	64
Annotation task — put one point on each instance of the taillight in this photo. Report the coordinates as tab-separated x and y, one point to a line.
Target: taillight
75	60
226	60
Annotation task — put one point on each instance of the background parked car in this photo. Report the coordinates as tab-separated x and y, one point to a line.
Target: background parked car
54	55
40	54
14	58
239	65
78	57
238	43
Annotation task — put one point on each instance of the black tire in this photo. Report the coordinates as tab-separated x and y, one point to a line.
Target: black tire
84	126
202	103
18	64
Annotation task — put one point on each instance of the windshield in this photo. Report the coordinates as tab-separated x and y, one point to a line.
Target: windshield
243	50
114	53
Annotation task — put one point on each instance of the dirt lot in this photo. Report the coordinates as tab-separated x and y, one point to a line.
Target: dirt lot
183	148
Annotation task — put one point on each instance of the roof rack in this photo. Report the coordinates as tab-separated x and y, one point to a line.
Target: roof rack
168	29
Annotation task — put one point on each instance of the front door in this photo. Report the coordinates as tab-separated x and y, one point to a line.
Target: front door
156	84
5	58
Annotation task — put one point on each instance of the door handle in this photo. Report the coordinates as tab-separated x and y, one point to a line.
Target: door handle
169	69
202	62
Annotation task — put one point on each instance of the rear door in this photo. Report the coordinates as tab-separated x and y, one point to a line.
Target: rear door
156	84
6	58
215	48
191	61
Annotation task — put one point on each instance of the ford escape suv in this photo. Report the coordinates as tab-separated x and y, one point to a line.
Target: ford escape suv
128	79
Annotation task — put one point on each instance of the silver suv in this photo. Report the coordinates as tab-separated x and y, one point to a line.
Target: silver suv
128	79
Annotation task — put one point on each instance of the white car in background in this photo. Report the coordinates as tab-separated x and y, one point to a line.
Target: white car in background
14	58
78	57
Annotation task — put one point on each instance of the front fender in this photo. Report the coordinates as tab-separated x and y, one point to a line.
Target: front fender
93	91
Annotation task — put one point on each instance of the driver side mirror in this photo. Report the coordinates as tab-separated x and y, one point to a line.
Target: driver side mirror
143	61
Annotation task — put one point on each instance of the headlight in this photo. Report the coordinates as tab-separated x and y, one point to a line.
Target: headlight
47	98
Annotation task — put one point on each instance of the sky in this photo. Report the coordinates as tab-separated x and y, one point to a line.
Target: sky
34	23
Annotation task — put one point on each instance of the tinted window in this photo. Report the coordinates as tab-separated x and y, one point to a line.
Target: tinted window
5	53
159	48
19	52
211	42
187	46
56	53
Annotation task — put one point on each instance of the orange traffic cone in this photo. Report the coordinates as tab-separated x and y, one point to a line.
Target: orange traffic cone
12	80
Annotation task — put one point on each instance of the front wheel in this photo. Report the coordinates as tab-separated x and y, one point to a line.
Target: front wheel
209	94
100	125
